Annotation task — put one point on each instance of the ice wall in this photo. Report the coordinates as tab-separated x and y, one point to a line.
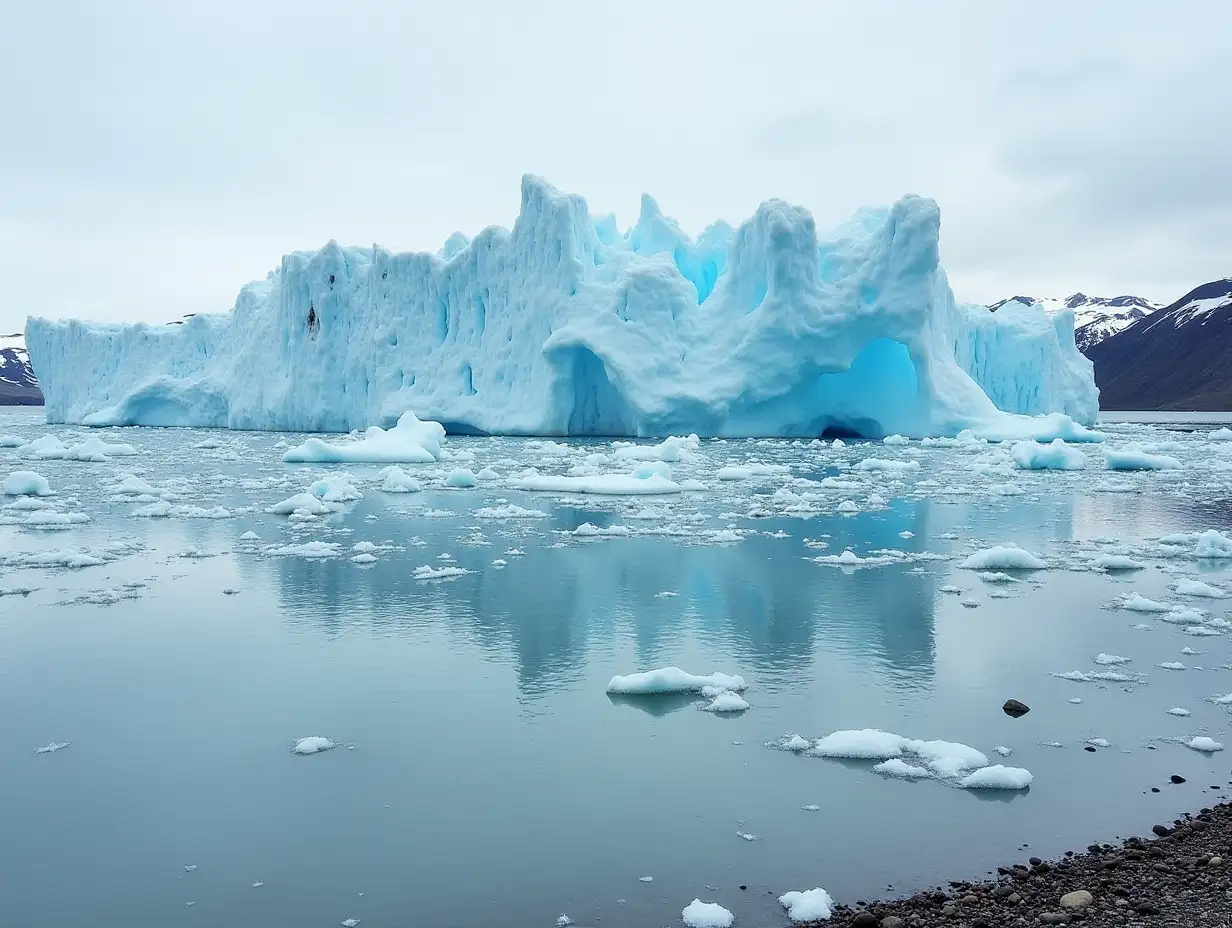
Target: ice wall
563	325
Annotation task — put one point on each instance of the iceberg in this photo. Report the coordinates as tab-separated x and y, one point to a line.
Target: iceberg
564	326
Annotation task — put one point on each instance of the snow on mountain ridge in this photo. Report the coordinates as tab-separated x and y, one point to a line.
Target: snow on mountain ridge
1095	318
564	326
17	382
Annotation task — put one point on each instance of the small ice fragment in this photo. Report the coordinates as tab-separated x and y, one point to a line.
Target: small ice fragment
898	768
645	879
51	747
997	777
350	922
313	745
257	885
813	905
811	808
1076	700
191	868
698	914
1003	557
1109	659
1003	750
727	702
672	680
1171	665
1099	742
746	836
1178	711
1205	745
798	743
564	921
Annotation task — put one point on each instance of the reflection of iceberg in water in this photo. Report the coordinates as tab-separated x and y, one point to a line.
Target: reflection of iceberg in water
760	598
760	601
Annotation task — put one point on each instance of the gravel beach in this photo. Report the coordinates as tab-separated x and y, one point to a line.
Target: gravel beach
1179	873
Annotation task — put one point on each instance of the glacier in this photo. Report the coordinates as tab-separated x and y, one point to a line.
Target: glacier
564	325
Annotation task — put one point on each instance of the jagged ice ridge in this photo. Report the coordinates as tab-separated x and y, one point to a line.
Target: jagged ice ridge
565	326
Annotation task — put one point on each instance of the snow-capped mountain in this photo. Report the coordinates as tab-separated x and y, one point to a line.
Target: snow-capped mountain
18	387
1095	318
1178	358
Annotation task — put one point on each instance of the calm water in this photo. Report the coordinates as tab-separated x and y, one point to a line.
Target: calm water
1168	419
484	776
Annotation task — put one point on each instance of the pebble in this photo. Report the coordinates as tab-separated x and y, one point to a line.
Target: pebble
1215	861
1162	830
864	920
1056	918
1078	899
893	921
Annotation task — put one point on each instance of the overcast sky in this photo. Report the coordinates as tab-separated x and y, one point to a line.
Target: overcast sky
155	156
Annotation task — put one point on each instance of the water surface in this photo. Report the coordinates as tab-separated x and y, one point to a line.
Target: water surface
484	774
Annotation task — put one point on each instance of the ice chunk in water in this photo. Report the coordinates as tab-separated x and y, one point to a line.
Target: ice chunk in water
812	905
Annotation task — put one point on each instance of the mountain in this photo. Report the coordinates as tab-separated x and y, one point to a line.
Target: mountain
1095	318
1177	358
18	386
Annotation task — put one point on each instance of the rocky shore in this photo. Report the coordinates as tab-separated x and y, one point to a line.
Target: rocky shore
1179	874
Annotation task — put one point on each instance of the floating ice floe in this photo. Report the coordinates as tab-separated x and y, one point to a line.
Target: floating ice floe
812	905
673	680
945	760
1136	602
601	484
132	485
1136	459
726	702
1003	557
1170	665
313	550
396	480
1110	659
410	441
427	572
165	510
667	450
300	502
507	511
1031	455
698	914
1100	676
1187	587
1204	744
590	530
884	465
1115	562
93	449
1179	712
895	767
313	745
997	777
461	478
26	483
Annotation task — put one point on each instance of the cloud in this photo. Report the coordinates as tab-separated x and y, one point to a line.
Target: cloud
157	156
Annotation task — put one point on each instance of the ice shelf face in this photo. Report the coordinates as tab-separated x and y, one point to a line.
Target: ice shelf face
565	326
